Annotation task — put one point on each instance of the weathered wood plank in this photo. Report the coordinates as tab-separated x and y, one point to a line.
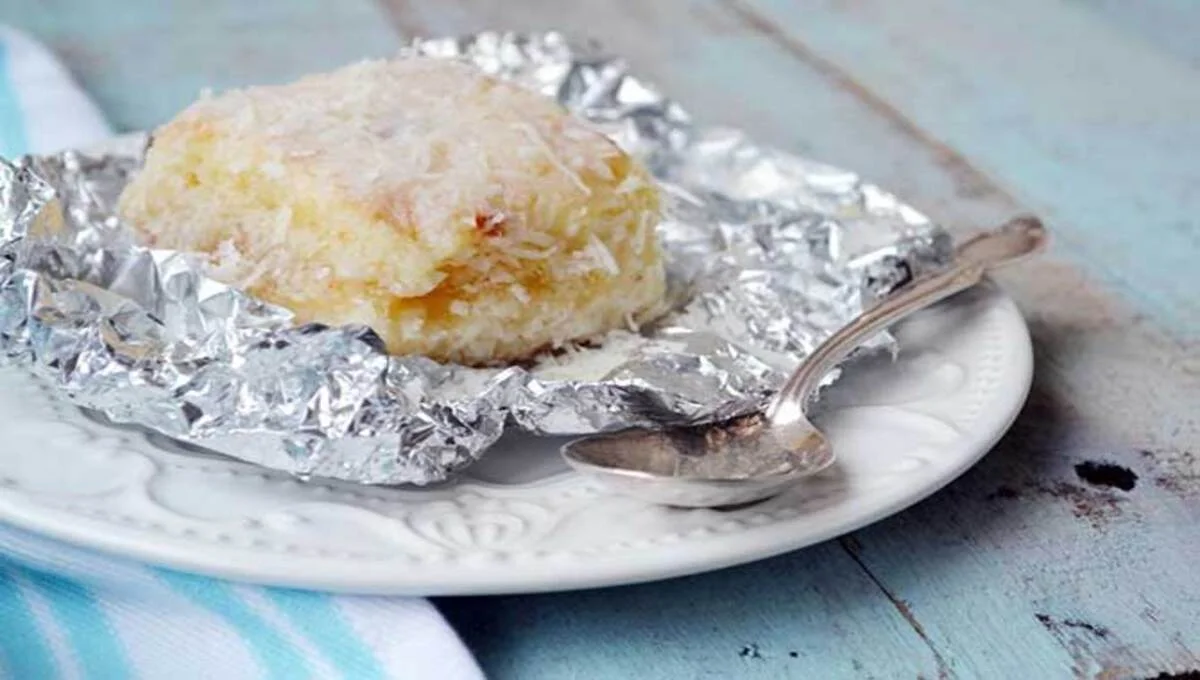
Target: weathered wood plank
1094	129
812	614
1040	533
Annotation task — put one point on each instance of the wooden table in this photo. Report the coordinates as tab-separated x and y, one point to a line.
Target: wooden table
1073	550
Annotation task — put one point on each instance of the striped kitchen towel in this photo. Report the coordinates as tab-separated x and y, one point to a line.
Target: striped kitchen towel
71	613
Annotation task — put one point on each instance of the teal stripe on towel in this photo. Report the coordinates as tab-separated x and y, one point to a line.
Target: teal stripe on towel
88	629
319	619
278	657
13	141
24	653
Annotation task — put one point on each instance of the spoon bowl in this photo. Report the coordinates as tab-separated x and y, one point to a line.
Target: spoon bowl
729	463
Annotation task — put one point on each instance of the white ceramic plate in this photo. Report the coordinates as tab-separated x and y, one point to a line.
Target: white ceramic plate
520	521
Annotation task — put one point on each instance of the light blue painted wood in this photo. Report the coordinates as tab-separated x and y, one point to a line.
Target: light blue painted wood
1096	130
1168	25
812	614
1021	568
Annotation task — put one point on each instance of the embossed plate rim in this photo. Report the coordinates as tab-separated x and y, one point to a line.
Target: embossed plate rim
1003	349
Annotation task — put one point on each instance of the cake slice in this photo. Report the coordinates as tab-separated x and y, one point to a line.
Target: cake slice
461	217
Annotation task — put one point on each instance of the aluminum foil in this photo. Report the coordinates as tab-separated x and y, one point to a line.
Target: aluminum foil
767	254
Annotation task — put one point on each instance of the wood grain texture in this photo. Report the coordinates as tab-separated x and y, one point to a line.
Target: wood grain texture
809	614
1037	563
1094	129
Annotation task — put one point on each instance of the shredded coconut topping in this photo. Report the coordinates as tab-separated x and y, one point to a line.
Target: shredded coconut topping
380	126
460	216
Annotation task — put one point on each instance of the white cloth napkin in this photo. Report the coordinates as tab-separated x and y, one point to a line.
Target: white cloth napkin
68	613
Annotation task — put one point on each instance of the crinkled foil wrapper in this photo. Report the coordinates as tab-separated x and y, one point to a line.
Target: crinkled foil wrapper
767	253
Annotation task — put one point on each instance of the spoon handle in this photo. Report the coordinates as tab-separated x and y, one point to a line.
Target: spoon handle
1014	239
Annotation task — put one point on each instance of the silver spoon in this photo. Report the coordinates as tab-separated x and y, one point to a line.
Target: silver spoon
757	456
